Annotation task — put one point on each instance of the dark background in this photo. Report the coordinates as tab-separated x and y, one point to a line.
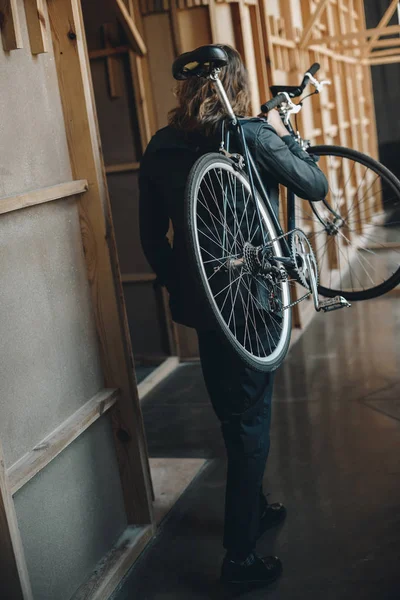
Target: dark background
386	84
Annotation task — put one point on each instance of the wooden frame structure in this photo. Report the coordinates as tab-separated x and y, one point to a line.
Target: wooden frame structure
278	41
120	394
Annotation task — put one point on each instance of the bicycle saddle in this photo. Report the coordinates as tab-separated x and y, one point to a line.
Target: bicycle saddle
199	62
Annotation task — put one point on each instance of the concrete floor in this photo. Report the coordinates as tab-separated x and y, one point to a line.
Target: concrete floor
334	462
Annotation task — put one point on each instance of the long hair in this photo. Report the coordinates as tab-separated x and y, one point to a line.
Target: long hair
199	108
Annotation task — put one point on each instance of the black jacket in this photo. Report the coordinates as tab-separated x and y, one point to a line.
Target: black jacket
164	170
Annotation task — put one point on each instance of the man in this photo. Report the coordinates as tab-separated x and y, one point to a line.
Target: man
240	397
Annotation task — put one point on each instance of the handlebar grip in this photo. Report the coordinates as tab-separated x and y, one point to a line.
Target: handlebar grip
267	106
313	69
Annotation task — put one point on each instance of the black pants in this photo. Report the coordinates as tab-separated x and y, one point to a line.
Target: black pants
242	401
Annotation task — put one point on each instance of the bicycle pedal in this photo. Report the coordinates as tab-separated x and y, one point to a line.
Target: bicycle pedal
333	303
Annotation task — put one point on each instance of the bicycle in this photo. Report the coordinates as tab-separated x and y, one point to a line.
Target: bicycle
243	260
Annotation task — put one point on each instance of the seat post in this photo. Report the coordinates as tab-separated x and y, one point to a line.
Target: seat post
222	95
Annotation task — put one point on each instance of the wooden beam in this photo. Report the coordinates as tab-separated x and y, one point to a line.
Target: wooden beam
14	581
48	194
37	26
98	236
351	60
382	23
112	62
104	52
308	27
140	74
134	38
9	25
384	60
156	376
112	569
356	35
385	43
123	167
53	444
138	277
390	52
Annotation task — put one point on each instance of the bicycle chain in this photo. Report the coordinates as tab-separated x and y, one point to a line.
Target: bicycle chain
305	295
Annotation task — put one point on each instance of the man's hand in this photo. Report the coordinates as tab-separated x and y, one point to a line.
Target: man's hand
275	120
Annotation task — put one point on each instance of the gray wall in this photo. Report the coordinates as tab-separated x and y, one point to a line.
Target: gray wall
72	512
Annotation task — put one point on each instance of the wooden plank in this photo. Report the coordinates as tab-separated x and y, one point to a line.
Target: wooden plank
309	26
123	167
115	565
266	31
279	41
389	52
101	256
384	60
112	62
53	444
175	29
382	23
9	25
134	38
142	89
14	582
259	51
47	194
356	35
104	52
152	380
351	60
37	27
138	277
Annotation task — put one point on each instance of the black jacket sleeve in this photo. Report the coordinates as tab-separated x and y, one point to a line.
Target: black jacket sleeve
154	225
286	162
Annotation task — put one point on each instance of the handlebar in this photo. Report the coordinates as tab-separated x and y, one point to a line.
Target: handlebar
274	103
292	92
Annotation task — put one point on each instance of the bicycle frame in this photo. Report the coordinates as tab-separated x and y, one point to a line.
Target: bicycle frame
254	176
236	129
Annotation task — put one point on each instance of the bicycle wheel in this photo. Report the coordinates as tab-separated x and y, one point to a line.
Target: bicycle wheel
245	296
354	231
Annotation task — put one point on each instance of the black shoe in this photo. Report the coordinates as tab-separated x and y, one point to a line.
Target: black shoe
273	515
261	571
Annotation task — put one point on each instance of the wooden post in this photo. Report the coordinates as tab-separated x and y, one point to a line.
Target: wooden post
14	580
112	62
36	21
9	25
101	256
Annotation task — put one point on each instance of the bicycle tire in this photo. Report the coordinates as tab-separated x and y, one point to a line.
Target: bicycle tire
394	184
203	166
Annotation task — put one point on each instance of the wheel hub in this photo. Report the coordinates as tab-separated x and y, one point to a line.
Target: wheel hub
332	227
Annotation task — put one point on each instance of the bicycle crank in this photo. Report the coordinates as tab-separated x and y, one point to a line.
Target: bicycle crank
307	270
